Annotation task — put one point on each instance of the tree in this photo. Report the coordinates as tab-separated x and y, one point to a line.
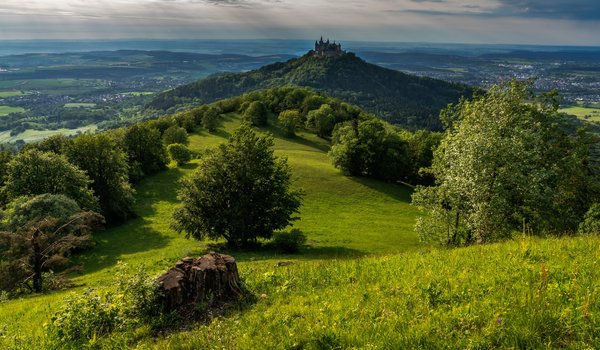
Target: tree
145	149
54	143
322	120
290	119
41	234
179	153
506	163
5	158
210	118
175	134
105	162
591	221
369	148
240	192
256	114
33	173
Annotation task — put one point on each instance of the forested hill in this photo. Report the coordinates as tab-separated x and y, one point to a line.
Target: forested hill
407	100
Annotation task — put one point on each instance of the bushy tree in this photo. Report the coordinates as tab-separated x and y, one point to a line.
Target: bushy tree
591	221
179	153
290	119
175	134
256	113
147	154
369	148
420	147
506	163
33	173
322	120
240	192
55	144
210	118
105	162
40	235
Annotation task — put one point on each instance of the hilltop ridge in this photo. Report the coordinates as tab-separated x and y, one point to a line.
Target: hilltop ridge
407	100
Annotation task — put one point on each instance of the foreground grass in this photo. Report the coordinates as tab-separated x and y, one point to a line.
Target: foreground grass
529	293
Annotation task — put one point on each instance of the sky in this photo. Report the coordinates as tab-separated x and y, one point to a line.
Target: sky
574	22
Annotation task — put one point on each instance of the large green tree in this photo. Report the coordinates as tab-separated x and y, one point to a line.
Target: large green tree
34	172
240	192
40	235
369	148
506	163
256	113
145	149
105	162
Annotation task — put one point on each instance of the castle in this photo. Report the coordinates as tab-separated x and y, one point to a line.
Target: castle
325	48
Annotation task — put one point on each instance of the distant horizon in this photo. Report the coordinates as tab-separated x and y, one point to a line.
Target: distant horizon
501	22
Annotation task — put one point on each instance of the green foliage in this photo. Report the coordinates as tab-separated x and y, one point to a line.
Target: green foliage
290	119
105	162
289	242
179	153
371	149
145	149
55	144
240	192
86	318
42	232
186	120
591	221
256	114
505	164
210	118
175	134
33	173
410	101
322	120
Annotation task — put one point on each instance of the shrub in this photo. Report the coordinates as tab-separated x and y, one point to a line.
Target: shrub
256	114
87	317
591	221
289	242
290	119
179	153
175	134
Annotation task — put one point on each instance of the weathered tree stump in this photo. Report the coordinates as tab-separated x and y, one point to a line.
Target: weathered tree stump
210	278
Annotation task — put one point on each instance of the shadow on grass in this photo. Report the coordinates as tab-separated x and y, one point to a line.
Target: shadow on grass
277	132
136	235
397	191
265	251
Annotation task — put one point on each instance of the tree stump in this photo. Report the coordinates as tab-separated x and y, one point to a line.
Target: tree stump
209	278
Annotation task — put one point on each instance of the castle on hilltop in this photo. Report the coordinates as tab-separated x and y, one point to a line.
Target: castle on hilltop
325	48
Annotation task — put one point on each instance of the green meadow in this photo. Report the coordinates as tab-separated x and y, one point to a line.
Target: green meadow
363	282
6	110
590	113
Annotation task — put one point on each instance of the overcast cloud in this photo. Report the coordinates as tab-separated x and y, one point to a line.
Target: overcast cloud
575	22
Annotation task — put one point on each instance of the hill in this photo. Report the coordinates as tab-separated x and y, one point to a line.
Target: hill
343	218
410	101
397	293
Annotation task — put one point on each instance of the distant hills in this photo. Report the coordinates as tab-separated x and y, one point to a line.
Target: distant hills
411	101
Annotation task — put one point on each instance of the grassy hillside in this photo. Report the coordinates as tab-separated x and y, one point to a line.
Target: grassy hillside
407	100
342	217
524	294
364	282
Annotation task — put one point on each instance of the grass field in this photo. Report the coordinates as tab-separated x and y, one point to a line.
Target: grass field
582	112
79	105
6	110
4	94
31	135
343	218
